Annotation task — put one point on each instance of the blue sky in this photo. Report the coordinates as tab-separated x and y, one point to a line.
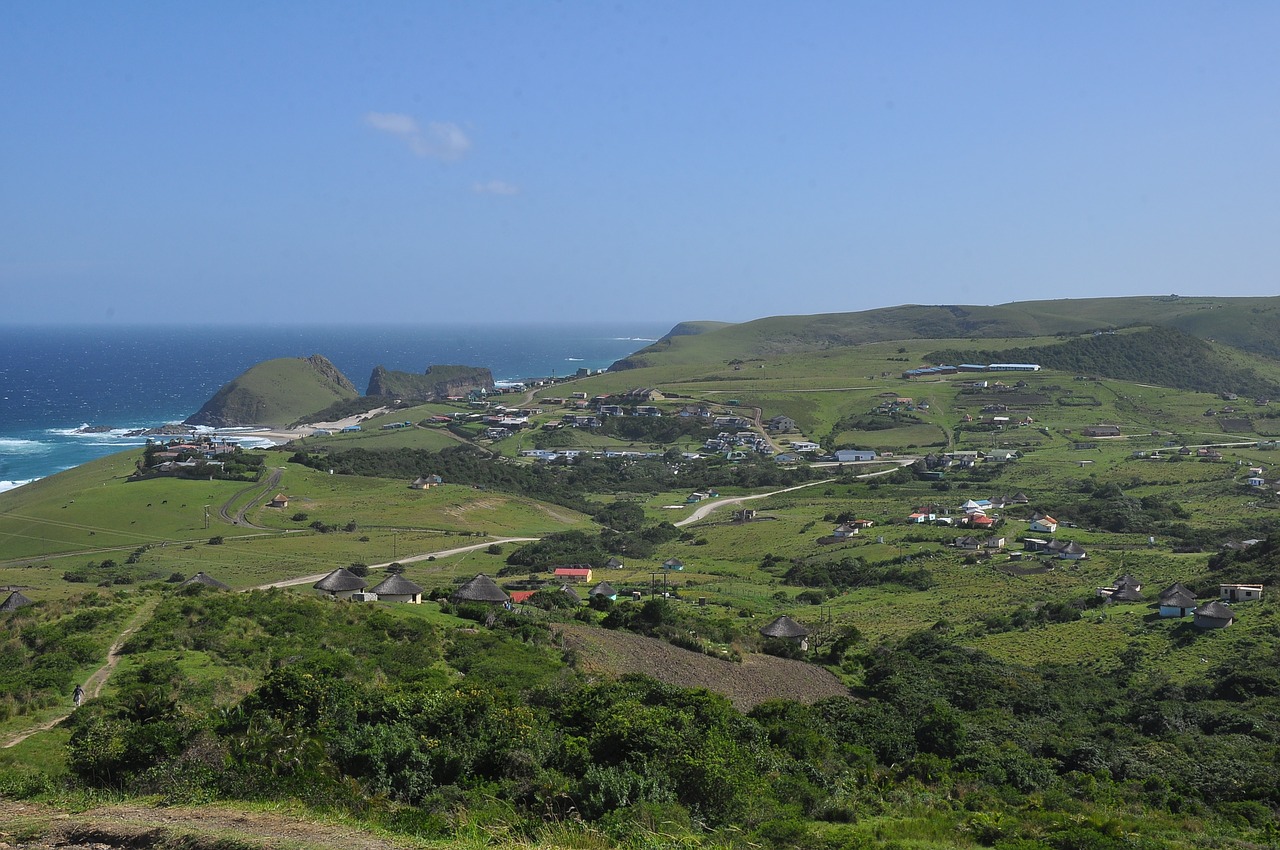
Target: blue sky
536	161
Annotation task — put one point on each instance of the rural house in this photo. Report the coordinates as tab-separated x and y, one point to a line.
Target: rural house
481	588
1239	592
397	588
340	584
1213	615
1176	601
578	572
1043	524
15	601
204	579
786	628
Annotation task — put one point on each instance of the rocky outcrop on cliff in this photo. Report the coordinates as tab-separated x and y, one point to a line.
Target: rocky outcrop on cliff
437	383
276	392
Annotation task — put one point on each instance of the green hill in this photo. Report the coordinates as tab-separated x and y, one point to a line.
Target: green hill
1165	357
435	384
1243	323
276	392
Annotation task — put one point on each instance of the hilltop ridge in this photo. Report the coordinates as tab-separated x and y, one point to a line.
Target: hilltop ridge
1243	323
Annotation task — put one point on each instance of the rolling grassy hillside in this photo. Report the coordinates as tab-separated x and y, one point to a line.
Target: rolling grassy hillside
1244	323
276	392
1000	702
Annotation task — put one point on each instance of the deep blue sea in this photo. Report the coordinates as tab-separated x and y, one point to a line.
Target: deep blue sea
53	380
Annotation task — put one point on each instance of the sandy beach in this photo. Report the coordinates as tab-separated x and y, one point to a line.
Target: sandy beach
279	436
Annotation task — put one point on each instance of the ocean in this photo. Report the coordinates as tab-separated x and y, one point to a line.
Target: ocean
55	380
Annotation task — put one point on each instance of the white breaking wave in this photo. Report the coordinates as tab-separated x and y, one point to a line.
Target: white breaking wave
13	445
12	485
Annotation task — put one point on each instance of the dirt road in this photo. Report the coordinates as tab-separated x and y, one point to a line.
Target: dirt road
443	553
93	686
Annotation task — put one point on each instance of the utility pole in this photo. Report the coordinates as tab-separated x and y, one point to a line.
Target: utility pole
206	516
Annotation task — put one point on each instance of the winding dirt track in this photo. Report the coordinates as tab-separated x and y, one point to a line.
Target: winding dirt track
93	686
273	481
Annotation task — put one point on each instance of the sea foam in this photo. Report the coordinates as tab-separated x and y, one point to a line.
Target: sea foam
13	445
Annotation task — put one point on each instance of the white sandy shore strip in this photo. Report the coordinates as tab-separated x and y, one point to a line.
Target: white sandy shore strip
284	435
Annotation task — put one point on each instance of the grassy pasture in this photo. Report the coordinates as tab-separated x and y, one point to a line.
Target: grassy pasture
373	437
93	507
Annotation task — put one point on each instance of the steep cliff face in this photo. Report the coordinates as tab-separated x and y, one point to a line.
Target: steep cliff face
276	392
436	383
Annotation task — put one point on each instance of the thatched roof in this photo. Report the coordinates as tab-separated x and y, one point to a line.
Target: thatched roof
570	592
1215	610
1125	594
1178	599
614	564
15	601
784	627
603	589
1128	580
340	581
396	585
479	589
1174	589
205	579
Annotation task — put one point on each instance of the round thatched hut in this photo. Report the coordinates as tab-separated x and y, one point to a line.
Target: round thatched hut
480	589
1213	615
340	584
603	589
788	629
15	601
205	579
397	588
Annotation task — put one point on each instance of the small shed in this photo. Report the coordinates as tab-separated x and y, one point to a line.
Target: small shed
205	579
568	591
480	589
614	564
340	584
1213	615
787	629
279	500
397	588
15	601
673	564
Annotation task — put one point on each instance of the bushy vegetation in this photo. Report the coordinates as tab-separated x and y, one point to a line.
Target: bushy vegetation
582	547
1164	356
43	646
354	704
562	483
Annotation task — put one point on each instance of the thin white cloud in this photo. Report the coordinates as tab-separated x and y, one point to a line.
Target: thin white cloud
496	187
442	140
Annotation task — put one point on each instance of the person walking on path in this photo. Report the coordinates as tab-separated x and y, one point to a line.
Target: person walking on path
77	696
